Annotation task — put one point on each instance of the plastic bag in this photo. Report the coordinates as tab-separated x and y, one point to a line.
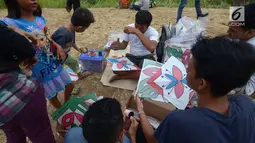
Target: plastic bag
188	29
113	36
183	37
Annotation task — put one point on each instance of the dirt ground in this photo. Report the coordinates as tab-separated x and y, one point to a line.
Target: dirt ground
111	19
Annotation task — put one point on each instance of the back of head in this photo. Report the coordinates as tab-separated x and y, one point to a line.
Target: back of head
249	16
103	122
143	17
224	63
82	17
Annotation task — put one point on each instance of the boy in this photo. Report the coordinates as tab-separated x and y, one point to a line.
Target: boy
218	65
143	42
141	5
103	123
198	9
246	33
65	37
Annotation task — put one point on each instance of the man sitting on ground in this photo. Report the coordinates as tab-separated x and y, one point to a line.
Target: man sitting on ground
218	65
143	42
103	123
245	33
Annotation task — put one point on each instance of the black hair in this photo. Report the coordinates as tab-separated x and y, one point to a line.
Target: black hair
82	17
249	16
14	9
103	122
143	17
11	54
225	63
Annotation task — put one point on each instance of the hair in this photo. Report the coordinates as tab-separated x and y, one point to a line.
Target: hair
14	9
82	17
225	63
103	122
143	17
249	16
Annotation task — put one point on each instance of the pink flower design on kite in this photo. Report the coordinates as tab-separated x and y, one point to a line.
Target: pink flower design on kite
151	71
122	64
68	119
177	81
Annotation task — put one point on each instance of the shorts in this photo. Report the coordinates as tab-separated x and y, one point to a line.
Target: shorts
138	60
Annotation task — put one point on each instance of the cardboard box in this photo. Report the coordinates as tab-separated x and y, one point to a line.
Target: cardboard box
155	109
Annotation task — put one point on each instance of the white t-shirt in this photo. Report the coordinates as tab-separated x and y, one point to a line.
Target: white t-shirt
136	46
250	87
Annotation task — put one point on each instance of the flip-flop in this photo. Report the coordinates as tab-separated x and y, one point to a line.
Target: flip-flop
76	91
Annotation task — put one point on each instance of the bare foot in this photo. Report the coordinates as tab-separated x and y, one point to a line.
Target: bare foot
84	74
114	78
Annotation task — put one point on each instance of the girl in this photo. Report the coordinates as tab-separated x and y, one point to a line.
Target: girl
23	110
27	15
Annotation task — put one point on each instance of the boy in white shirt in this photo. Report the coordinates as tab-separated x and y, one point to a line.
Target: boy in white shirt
143	42
245	33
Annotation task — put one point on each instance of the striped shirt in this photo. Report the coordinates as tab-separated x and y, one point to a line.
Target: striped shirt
16	90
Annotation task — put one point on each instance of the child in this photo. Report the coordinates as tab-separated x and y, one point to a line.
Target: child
143	42
103	123
27	15
218	65
141	5
72	4
23	110
65	37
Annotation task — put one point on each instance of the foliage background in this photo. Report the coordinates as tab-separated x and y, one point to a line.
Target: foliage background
114	3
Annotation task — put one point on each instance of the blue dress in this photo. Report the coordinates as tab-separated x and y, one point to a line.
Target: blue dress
48	71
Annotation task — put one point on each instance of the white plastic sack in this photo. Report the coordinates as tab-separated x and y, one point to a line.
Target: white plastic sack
187	30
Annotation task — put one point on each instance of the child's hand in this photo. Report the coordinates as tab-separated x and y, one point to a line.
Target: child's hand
61	53
35	41
82	50
139	104
133	128
115	45
130	30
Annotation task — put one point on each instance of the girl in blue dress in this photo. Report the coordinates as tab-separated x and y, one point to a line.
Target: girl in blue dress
27	15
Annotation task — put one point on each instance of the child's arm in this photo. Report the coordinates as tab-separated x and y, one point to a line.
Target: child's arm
146	126
149	44
28	35
60	52
133	129
75	46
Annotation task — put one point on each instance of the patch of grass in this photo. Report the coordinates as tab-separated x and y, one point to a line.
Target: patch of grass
114	3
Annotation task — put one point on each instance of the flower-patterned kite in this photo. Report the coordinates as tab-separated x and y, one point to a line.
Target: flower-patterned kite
122	64
168	83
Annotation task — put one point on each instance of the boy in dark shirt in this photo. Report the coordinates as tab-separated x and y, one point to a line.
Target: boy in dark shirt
65	37
218	65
